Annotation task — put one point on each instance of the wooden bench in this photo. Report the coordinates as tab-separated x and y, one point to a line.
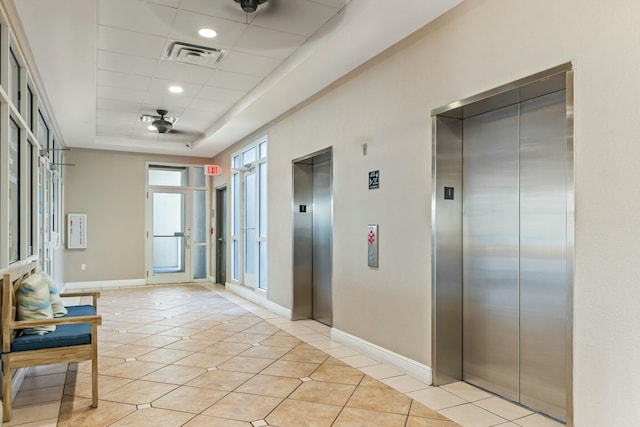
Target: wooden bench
74	340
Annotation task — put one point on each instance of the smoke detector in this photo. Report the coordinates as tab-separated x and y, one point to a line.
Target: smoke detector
193	54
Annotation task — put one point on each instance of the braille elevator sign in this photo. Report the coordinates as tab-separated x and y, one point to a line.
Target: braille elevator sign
374	180
448	193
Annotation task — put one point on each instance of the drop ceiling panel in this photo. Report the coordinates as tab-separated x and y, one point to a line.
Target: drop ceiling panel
265	42
176	71
197	118
225	9
161	87
129	42
132	64
160	97
105	130
123	41
136	15
338	4
166	102
120	94
301	17
113	118
172	3
233	80
209	105
186	26
220	94
246	63
176	112
123	80
114	104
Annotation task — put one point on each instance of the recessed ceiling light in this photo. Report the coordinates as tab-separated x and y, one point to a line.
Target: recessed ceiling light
207	33
175	89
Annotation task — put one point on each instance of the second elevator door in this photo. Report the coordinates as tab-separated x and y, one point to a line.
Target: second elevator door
514	252
321	289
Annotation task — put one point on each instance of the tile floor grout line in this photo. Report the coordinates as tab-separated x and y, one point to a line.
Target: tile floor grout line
347	402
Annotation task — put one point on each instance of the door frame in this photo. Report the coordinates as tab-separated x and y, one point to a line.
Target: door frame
302	240
446	284
241	168
179	277
221	233
250	280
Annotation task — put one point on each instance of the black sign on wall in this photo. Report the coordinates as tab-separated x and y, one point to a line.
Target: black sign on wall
374	180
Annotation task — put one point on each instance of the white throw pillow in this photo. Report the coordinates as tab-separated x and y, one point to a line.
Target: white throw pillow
56	303
34	303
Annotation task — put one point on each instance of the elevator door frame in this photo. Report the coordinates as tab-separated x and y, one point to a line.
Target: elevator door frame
446	336
304	258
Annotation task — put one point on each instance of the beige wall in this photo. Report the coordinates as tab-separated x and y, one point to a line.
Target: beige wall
387	103
110	188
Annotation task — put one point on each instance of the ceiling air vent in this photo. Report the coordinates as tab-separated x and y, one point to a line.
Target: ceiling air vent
193	54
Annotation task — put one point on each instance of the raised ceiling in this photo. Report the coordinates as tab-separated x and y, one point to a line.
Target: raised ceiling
102	63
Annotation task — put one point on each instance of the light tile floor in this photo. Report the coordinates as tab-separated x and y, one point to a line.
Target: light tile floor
198	355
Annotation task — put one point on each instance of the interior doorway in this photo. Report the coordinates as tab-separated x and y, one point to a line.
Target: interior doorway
170	241
503	242
313	237
221	235
178	223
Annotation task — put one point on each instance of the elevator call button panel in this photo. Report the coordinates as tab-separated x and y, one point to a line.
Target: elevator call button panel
372	245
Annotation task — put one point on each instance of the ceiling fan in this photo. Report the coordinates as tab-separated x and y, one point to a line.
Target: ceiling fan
250	6
162	123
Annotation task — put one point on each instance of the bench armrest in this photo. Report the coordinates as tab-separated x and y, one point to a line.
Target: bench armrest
21	324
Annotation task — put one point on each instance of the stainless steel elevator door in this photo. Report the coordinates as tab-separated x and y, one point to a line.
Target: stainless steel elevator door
490	251
515	252
322	240
543	253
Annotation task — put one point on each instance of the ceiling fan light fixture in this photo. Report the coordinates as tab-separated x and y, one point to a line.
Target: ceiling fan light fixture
250	6
161	124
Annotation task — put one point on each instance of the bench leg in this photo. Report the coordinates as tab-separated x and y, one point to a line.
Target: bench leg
6	389
94	366
94	383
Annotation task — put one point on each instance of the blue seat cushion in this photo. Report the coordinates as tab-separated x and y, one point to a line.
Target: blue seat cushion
63	336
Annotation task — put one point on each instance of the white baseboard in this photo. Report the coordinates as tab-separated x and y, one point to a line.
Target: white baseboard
16	382
104	284
258	298
408	366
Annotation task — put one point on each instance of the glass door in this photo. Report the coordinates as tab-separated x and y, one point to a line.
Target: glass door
44	215
221	236
249	216
169	237
250	228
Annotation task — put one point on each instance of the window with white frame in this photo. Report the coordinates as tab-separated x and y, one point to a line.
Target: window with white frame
14	191
19	149
249	215
26	181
